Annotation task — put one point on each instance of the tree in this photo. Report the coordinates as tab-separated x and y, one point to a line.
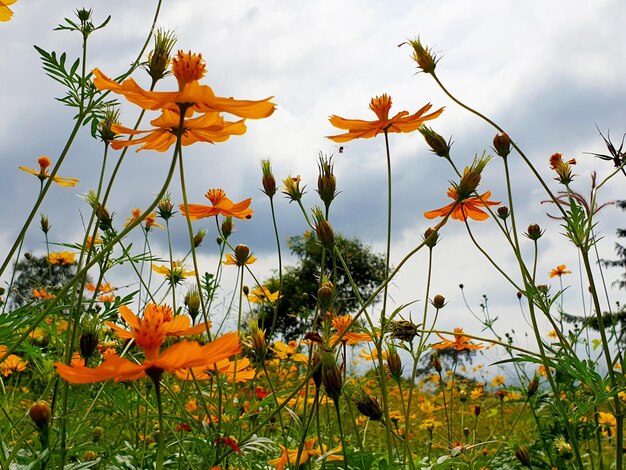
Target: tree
620	250
296	307
36	272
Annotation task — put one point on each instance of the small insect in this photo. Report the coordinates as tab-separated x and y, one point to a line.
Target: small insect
341	149
617	156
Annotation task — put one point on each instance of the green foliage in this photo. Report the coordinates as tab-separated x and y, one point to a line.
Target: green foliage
300	283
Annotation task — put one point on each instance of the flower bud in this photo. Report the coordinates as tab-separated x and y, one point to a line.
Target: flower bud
502	144
437	143
463	395
45	225
97	433
292	188
257	341
523	455
90	456
105	127
159	59
431	236
325	295
423	56
403	330
323	229
88	343
317	369
439	301
394	363
533	386
165	207
503	212
242	252
367	405
471	177
534	232
331	376
246	290
436	362
41	414
326	181
198	238
228	227
105	221
268	180
476	410
192	302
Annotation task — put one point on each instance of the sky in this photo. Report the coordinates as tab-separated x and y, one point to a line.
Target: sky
547	72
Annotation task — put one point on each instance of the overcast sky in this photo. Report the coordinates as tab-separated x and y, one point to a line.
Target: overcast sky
548	72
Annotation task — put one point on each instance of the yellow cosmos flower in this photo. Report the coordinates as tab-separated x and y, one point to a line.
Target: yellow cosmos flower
63	258
5	12
260	295
175	273
42	173
401	122
230	260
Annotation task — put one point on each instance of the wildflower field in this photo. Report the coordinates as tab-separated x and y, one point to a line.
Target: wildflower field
126	349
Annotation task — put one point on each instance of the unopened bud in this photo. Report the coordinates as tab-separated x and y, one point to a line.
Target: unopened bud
326	181
331	376
88	343
394	363
439	301
323	229
436	362
533	386
192	302
45	225
246	290
41	414
90	456
367	405
503	212
268	180
403	330
242	252
534	232
165	207
437	143
502	144
228	227
423	56
159	58
198	238
430	237
257	341
476	410
523	455
325	295
97	433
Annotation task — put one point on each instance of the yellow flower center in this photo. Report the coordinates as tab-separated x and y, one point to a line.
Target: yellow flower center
216	196
188	67
381	106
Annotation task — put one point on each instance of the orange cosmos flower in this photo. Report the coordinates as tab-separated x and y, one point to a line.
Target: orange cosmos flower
179	356
188	68
340	324
157	323
289	456
462	210
101	288
230	260
42	294
220	204
42	173
209	127
5	12
460	342
401	122
225	367
559	271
